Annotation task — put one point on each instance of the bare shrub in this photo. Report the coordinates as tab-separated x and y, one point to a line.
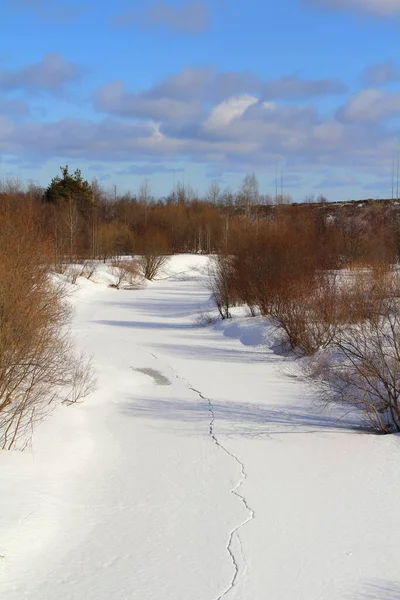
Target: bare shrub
84	268
126	274
81	382
221	282
308	311
362	367
324	302
73	271
204	319
60	267
150	265
114	239
152	249
89	268
37	366
271	260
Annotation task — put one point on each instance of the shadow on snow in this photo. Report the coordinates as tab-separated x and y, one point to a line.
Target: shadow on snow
145	324
379	590
244	419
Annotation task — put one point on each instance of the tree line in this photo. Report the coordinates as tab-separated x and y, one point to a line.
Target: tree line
82	221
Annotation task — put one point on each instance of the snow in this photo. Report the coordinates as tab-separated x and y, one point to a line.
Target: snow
199	469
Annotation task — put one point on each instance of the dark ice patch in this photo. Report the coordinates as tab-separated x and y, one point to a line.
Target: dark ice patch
158	378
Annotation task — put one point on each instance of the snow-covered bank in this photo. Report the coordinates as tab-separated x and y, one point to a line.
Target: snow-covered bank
198	470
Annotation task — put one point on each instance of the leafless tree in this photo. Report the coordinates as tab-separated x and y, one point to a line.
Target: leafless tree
249	192
265	199
283	199
214	192
146	197
310	199
71	219
227	197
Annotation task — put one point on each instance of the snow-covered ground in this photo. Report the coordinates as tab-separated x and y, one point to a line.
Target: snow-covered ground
198	470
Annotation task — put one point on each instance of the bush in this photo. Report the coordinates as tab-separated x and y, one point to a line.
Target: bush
362	366
221	283
150	265
308	311
73	271
37	363
89	268
269	260
153	257
126	274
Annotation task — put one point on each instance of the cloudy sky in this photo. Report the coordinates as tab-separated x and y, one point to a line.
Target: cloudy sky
203	90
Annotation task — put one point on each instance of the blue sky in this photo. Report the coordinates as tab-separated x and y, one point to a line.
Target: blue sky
203	91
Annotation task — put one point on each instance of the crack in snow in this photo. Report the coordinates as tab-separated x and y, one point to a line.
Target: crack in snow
234	491
234	533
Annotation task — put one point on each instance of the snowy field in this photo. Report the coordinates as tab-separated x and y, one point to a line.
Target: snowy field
198	470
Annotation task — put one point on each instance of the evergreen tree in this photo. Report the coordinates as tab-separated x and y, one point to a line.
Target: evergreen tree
74	213
70	188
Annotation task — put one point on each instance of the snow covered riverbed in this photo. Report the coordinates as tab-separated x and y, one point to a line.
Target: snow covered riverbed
198	470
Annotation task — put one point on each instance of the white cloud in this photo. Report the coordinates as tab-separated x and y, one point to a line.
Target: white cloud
371	106
381	73
13	107
223	114
184	95
296	88
113	98
384	8
52	73
49	9
331	132
167	122
192	17
243	135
